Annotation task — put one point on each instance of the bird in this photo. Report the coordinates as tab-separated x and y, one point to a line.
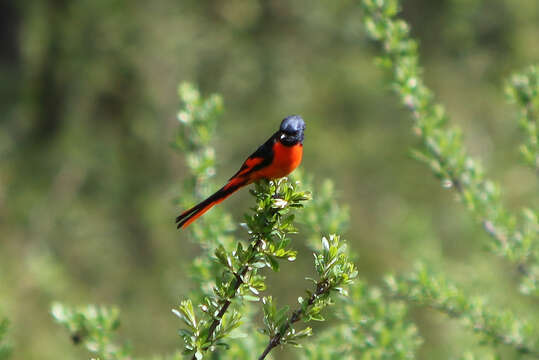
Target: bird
276	158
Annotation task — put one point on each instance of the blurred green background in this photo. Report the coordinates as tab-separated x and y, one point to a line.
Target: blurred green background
88	98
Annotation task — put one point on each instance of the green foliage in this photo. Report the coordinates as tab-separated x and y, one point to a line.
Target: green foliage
5	348
370	328
373	327
443	151
495	326
332	265
324	215
268	228
334	271
277	324
523	90
94	327
442	148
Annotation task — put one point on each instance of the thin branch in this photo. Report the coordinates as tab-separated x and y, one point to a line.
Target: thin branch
423	288
428	118
477	325
321	288
238	282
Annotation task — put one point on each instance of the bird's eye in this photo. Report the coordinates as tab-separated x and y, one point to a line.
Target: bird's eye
283	136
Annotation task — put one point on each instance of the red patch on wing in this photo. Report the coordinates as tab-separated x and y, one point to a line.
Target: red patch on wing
248	165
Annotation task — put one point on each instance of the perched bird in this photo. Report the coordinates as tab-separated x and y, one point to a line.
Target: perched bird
277	157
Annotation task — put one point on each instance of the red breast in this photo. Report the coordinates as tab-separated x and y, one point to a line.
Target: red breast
285	160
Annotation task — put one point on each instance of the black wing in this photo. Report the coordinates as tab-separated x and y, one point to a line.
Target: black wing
264	152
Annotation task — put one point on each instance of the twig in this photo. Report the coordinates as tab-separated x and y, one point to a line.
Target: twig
477	325
489	226
238	282
321	288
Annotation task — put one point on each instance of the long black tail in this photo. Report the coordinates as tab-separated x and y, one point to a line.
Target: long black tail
190	215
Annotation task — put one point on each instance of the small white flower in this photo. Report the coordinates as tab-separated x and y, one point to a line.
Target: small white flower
280	203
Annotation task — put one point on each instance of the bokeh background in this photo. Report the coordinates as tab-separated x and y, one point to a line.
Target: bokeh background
88	98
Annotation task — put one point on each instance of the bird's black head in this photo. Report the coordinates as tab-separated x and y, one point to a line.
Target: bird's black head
291	130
